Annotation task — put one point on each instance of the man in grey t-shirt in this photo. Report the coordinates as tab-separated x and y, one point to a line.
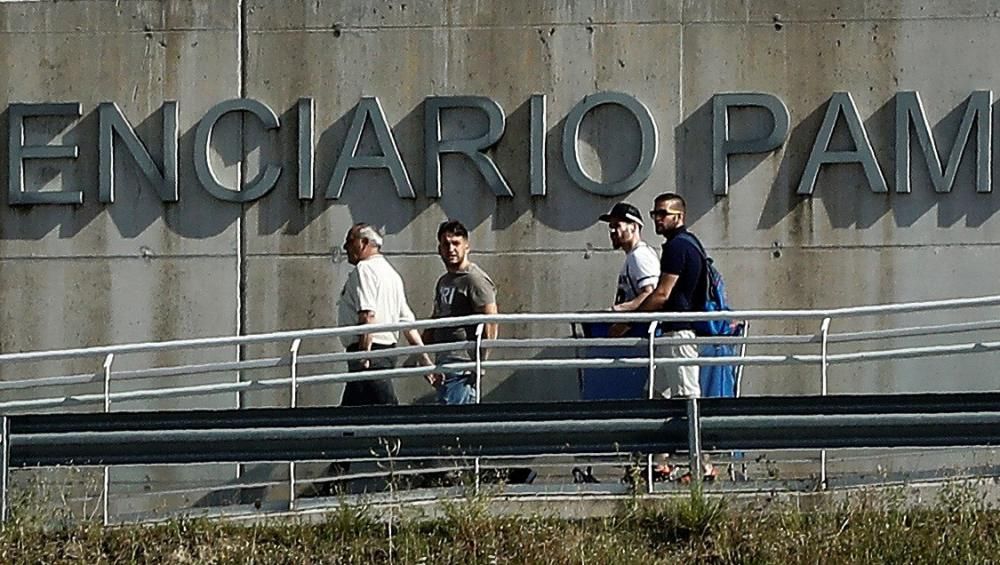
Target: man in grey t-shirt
464	290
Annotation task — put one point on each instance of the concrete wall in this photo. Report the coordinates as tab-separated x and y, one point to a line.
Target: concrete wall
141	269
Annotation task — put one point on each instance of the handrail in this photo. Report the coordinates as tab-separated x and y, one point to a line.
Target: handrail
628	362
527	343
612	317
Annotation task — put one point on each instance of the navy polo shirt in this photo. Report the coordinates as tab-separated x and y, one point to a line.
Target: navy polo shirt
682	257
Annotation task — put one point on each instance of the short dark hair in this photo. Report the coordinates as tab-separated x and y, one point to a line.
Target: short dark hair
672	198
452	227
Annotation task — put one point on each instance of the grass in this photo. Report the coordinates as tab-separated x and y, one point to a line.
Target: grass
867	527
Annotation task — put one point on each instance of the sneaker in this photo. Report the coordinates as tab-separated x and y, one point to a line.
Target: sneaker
662	472
579	476
709	473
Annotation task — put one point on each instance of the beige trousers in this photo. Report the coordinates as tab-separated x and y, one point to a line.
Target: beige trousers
677	380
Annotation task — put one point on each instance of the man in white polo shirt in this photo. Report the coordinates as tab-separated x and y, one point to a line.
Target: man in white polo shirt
372	294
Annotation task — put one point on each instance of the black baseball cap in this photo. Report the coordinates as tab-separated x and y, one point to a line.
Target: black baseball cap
623	211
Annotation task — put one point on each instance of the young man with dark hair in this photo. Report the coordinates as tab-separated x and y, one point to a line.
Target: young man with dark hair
463	290
681	285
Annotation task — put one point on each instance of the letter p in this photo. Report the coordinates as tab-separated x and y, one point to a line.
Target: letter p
723	147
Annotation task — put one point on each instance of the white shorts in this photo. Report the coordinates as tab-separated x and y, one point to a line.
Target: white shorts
677	380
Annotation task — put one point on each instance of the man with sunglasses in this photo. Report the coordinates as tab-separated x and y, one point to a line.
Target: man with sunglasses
682	280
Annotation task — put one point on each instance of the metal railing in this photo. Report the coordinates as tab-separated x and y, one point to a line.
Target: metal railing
294	361
637	427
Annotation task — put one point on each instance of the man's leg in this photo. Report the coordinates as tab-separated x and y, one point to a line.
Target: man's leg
457	388
687	384
371	392
361	393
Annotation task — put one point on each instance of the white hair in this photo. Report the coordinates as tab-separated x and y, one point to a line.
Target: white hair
371	234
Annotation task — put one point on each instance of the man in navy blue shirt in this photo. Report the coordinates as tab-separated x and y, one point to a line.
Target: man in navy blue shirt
680	288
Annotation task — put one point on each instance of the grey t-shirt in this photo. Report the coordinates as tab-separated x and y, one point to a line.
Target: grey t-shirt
461	294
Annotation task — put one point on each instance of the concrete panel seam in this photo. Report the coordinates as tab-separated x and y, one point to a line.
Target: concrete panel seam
167	31
424	27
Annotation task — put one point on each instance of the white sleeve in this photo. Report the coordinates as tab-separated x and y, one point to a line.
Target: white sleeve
647	267
405	314
367	288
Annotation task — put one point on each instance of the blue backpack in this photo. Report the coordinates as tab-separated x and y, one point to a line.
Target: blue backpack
715	296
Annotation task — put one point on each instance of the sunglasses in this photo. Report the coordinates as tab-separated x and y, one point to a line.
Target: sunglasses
662	214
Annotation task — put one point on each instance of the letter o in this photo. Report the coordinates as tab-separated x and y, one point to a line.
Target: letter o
647	144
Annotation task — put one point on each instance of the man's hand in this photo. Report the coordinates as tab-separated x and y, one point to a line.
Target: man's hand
435	379
366	364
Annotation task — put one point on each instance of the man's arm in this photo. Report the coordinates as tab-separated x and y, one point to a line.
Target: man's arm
365	340
413	338
635	302
491	330
655	300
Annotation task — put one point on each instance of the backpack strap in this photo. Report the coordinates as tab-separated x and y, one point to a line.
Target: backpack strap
697	243
705	258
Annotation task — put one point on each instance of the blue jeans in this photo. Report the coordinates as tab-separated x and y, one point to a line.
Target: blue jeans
457	388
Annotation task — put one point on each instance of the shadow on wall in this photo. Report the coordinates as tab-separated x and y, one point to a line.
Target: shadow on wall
369	194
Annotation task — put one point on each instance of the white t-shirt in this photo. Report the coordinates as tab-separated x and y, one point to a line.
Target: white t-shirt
373	285
641	268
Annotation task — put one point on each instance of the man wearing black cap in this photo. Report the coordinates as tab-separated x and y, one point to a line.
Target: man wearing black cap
641	269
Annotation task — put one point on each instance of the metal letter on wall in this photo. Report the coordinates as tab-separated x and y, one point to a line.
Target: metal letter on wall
537	145
978	111
434	146
112	122
647	144
307	146
369	108
723	147
203	141
19	152
841	103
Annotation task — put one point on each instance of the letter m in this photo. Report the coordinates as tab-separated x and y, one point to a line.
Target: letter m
978	112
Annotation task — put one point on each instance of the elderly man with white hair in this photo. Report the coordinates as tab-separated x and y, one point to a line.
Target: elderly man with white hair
372	294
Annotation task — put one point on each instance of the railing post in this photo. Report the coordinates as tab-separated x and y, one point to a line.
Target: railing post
293	400
651	391
824	330
107	381
694	439
480	329
107	408
4	466
294	353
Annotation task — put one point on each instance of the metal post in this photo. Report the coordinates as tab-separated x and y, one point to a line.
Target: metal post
480	328
107	408
295	370
291	486
4	467
107	381
479	360
652	358
294	354
694	439
651	391
824	330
